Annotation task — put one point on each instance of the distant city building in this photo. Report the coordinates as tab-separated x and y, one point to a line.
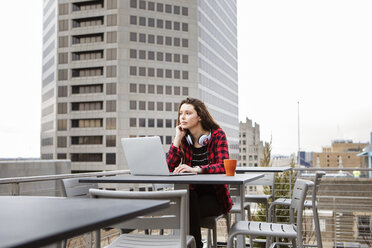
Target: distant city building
366	154
341	154
251	148
306	158
281	160
119	68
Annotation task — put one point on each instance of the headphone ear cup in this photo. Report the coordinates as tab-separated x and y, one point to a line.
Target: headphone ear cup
204	139
189	140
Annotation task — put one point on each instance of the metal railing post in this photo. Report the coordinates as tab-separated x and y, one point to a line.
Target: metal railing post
15	189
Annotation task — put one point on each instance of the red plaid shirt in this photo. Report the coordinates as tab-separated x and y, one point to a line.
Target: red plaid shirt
217	151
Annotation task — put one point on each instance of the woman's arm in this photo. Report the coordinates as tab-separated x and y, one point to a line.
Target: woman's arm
174	157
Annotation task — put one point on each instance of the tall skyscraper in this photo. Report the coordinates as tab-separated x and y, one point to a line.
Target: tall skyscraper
119	68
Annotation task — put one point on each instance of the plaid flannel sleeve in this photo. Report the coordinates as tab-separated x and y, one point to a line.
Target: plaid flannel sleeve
174	157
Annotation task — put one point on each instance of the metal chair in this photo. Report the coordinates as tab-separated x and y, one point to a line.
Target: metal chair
293	231
267	180
308	204
173	217
72	188
210	223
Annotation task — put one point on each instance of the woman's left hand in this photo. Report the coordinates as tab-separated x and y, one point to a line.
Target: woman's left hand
182	168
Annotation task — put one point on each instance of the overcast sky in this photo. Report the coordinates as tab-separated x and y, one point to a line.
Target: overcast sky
317	53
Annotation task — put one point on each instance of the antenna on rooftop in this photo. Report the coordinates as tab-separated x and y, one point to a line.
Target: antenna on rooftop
298	135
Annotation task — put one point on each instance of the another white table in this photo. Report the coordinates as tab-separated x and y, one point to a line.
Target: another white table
182	182
31	221
243	169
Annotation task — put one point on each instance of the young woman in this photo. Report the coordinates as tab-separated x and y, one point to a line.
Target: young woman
200	146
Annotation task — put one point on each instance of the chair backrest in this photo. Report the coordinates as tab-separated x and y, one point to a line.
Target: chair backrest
297	203
158	186
173	217
267	180
318	177
72	188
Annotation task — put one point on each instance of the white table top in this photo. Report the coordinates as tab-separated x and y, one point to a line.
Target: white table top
186	179
28	221
261	169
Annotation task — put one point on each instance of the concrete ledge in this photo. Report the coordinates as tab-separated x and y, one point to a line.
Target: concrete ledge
31	167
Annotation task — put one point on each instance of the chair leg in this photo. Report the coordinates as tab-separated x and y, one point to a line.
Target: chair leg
267	214
249	213
97	239
64	243
209	236
88	239
294	243
230	240
215	236
317	228
267	210
228	222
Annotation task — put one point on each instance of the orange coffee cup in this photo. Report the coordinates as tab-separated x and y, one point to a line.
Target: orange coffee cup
230	166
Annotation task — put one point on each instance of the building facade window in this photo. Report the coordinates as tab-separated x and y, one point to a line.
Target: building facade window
110	123
62	125
110	140
86	106
86	140
86	157
142	122
142	105
151	89
133	105
133	88
151	122
133	3
110	88
62	108
86	123
151	106
159	122
132	122
142	88
133	36
111	106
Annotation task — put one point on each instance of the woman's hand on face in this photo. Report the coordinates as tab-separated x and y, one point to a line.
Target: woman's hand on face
182	168
180	133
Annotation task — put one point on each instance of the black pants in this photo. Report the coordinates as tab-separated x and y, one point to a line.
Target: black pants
201	205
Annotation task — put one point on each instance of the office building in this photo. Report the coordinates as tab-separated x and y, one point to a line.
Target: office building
251	148
341	154
119	68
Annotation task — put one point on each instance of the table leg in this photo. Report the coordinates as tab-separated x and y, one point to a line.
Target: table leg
97	238
240	242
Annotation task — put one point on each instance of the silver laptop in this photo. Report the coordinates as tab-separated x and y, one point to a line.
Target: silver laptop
145	156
